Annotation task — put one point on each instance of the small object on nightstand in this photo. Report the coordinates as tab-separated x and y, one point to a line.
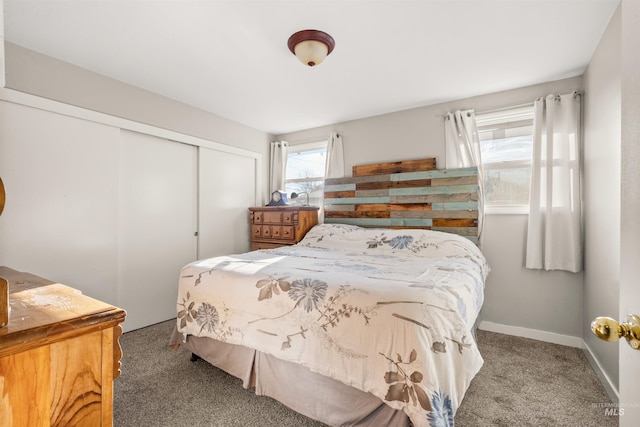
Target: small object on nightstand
275	226
278	198
296	195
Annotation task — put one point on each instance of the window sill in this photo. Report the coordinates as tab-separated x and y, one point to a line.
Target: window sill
506	210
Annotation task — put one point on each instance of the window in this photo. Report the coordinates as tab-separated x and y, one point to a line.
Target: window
305	172
506	142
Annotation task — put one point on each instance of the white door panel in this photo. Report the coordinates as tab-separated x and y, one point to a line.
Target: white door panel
59	221
630	206
227	188
157	222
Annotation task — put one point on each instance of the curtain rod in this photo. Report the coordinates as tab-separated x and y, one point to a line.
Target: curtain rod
528	104
308	141
511	107
495	110
575	93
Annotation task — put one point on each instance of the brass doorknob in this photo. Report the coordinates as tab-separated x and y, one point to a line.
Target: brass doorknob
608	329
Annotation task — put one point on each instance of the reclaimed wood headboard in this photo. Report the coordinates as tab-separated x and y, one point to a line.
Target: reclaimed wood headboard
406	194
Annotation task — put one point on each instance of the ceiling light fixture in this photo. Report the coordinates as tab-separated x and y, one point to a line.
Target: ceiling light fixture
311	46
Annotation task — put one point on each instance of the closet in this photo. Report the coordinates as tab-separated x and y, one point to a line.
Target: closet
115	208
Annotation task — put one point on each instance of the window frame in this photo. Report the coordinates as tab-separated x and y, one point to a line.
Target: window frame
301	148
506	118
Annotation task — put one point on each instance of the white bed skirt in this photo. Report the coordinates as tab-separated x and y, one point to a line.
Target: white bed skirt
313	395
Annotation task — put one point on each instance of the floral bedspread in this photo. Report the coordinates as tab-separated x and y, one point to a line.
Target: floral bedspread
386	311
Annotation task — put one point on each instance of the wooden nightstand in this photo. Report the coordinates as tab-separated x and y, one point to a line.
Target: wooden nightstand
275	226
59	355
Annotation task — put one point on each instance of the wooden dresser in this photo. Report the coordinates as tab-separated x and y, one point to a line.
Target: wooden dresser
59	355
275	226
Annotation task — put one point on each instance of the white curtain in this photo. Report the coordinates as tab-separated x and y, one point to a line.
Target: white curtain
463	150
334	166
554	236
278	165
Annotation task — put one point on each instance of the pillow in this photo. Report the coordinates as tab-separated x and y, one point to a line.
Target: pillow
409	242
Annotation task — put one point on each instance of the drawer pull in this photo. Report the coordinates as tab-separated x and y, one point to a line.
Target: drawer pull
287	233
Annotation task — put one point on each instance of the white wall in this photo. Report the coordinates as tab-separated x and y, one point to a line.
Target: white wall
602	157
549	302
30	72
546	303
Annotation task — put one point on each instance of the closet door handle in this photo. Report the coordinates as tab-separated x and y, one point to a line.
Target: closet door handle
609	329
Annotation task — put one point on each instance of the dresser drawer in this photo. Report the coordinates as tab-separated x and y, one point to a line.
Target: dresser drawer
272	217
264	245
288	232
272	226
256	217
276	232
284	232
288	218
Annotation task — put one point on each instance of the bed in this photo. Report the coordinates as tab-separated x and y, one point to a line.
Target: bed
368	320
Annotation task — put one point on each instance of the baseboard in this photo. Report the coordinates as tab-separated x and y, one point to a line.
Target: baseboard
532	333
602	376
556	339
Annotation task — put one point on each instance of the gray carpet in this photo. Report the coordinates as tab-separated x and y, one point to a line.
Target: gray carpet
522	383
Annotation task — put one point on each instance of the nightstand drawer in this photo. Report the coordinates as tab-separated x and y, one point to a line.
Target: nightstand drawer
256	231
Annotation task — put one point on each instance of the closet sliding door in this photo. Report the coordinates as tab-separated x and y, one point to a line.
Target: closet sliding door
59	221
157	214
113	212
227	188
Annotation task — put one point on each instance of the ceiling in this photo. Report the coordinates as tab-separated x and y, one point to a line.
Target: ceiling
231	57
